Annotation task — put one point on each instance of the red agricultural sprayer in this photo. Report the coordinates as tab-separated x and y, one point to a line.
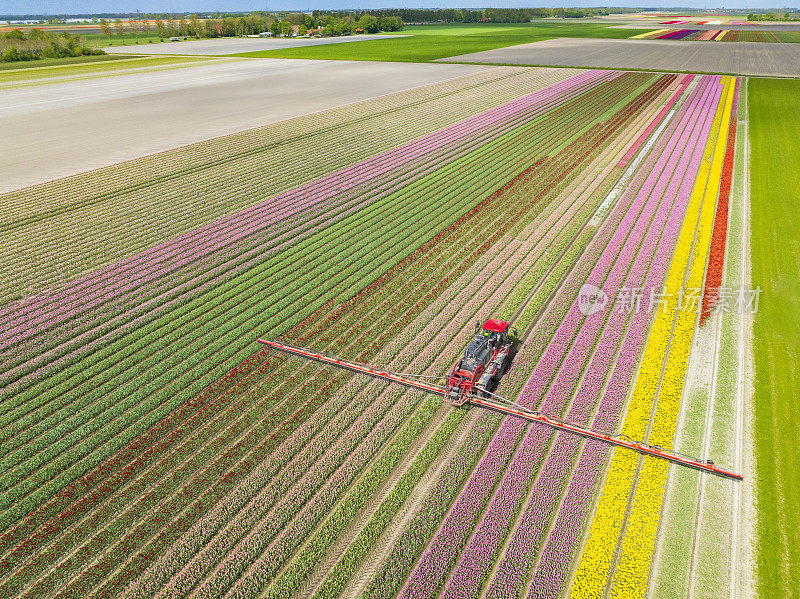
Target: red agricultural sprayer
474	377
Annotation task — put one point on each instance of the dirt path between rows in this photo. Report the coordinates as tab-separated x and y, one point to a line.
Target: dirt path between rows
742	558
386	542
362	517
710	370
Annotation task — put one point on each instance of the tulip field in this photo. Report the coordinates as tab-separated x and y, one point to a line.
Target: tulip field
152	448
720	35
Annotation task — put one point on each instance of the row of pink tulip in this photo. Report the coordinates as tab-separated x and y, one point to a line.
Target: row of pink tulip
495	267
555	473
562	542
164	163
87	399
465	576
115	283
435	562
123	209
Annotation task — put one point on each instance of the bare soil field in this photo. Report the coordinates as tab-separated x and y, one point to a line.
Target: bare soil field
742	58
219	47
58	129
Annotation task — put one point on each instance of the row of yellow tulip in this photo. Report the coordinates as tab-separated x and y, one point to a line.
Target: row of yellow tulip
639	540
630	578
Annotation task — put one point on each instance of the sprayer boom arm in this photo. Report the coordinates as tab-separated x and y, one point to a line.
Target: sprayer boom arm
501	405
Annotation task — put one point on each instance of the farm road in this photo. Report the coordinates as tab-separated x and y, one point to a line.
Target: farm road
740	58
219	47
59	129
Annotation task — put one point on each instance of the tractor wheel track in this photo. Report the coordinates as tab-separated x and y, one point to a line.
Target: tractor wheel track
335	553
383	546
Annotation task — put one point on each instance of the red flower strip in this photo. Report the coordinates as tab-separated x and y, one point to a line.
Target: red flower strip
716	257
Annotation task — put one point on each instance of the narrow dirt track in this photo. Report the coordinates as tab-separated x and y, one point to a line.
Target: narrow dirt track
338	549
742	582
385	543
715	324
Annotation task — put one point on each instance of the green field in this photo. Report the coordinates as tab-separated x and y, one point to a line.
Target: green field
775	221
426	43
129	39
35	73
49	62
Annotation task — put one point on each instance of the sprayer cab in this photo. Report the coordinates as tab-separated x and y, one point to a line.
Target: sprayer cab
485	360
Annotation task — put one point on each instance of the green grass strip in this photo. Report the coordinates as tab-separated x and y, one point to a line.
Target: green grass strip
30	65
775	229
427	45
45	70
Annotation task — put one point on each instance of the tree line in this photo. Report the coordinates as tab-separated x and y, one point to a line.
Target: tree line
463	15
233	26
35	44
332	25
774	16
326	22
191	26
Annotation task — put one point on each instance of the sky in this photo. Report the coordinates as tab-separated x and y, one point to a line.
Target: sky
10	7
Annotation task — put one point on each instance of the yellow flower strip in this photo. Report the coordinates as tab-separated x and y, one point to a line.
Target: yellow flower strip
721	35
595	563
649	34
633	567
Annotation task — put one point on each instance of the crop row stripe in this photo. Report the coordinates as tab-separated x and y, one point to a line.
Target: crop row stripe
565	535
603	382
597	553
639	538
194	245
612	398
518	357
430	567
527	536
459	320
